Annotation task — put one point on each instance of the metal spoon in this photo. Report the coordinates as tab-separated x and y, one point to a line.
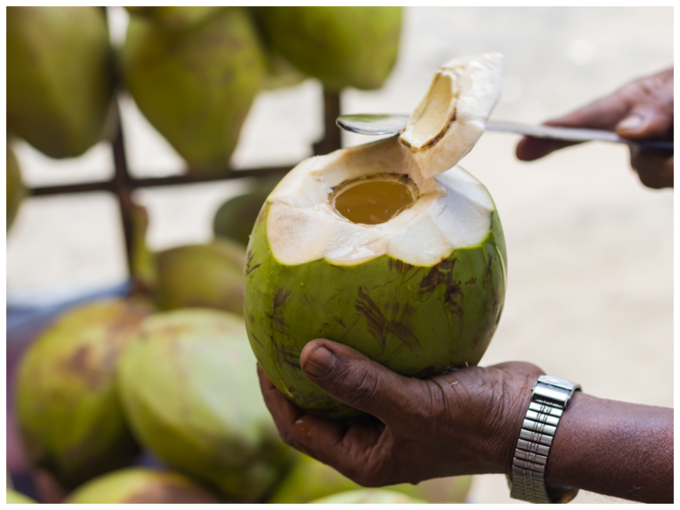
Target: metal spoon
387	124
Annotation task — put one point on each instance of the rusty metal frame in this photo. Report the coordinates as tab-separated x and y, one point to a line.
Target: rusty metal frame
123	184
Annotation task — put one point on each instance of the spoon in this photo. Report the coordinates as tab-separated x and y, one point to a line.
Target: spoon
387	124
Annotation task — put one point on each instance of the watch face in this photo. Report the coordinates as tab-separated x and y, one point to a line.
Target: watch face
556	381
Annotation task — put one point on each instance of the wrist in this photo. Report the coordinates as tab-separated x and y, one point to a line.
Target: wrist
560	469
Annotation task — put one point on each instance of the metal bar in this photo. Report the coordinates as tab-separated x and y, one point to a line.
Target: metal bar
84	187
332	139
154	182
123	188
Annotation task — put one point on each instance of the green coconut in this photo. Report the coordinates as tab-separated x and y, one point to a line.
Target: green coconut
201	276
196	87
68	411
190	389
310	480
140	485
341	46
15	187
421	292
280	72
235	217
59	77
16	498
175	17
369	496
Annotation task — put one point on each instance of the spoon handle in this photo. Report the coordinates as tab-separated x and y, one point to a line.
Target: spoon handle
574	134
388	124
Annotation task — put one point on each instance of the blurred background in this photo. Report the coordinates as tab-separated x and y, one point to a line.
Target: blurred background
590	252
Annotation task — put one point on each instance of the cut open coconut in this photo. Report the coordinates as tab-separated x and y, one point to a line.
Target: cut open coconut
380	248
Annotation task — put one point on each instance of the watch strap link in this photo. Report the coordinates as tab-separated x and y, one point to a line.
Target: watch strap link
550	397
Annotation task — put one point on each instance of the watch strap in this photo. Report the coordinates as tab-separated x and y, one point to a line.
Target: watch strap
550	397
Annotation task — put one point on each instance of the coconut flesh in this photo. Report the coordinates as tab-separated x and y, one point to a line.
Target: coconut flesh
388	247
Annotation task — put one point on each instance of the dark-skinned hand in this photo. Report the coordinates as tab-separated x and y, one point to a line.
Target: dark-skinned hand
463	422
641	109
466	422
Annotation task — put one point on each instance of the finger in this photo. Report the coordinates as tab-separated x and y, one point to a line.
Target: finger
651	110
294	426
352	378
655	170
530	149
331	442
603	114
282	410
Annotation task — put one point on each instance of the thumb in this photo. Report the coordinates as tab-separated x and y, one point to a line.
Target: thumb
650	117
349	376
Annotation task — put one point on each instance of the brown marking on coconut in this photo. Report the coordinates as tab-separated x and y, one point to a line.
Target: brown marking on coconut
80	365
399	265
454	292
389	282
291	363
348	330
328	313
280	297
258	341
436	275
410	277
441	274
288	357
251	269
375	318
489	264
249	260
380	326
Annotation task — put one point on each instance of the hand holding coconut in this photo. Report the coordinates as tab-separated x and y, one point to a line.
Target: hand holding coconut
641	109
467	421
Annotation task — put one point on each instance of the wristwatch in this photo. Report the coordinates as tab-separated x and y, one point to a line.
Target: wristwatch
549	399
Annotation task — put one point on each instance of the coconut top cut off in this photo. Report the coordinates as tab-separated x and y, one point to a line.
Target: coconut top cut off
452	116
308	217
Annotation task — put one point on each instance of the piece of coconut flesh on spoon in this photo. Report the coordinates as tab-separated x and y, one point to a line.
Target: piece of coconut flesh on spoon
387	247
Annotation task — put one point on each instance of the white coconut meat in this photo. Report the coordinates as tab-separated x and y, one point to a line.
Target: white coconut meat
452	116
451	208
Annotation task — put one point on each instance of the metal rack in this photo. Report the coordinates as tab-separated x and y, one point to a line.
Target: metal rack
122	184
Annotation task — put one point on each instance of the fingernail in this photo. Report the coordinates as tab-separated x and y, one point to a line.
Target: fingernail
632	123
320	363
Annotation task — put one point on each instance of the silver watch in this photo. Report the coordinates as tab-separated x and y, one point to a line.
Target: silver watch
549	399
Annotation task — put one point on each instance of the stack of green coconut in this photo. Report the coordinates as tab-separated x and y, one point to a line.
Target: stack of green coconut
194	72
168	370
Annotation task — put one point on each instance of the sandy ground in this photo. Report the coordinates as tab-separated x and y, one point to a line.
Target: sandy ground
590	250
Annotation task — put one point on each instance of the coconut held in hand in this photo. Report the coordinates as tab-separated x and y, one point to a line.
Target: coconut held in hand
388	247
